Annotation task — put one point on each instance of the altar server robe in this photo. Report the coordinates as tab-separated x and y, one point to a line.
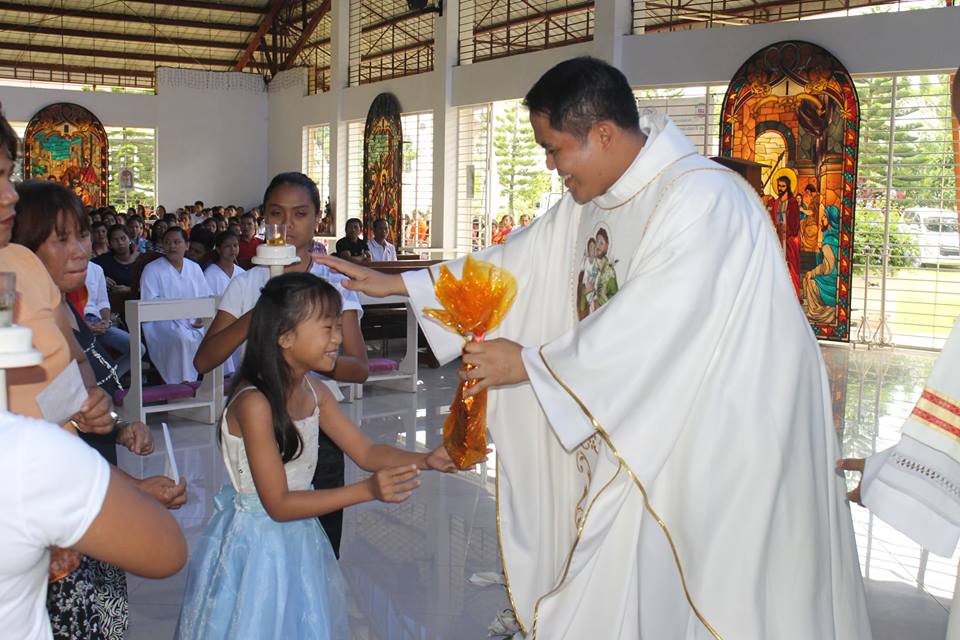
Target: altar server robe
173	343
915	485
668	471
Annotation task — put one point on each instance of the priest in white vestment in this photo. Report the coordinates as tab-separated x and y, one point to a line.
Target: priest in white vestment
173	343
660	408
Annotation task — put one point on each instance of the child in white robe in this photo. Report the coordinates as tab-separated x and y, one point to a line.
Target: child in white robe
173	343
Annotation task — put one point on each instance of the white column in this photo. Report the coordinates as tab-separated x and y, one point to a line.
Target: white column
339	80
444	218
611	23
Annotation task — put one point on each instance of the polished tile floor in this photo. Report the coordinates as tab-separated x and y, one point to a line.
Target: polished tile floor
408	565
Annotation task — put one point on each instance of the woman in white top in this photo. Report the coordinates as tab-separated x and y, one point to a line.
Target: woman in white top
55	490
219	274
173	343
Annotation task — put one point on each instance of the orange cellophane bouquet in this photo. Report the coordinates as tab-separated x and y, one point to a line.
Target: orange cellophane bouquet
472	306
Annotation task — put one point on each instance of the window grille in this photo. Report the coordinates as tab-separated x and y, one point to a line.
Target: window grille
354	208
658	15
316	162
387	40
473	172
497	28
417	178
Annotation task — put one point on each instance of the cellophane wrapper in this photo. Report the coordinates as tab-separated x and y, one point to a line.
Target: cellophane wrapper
473	305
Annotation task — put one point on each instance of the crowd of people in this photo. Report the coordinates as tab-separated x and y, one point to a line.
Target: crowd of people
595	488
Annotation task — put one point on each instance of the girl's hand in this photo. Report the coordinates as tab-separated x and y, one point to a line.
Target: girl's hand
439	460
394	484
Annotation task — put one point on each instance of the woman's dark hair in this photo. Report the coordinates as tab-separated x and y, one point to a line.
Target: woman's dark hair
45	207
183	234
201	235
8	138
285	302
97	225
578	93
171	218
297	179
357	220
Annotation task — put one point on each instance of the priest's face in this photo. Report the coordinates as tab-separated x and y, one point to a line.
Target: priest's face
581	163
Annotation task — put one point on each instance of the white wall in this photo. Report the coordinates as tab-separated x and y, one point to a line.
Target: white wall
211	130
211	137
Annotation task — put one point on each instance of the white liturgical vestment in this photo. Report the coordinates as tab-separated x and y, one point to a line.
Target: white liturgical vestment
173	343
668	471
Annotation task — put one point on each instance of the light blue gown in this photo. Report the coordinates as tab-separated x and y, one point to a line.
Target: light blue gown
253	577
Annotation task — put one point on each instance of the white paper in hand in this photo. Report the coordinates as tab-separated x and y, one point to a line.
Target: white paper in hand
171	459
64	396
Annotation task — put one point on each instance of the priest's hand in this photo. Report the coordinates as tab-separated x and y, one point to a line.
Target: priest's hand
852	464
492	363
365	280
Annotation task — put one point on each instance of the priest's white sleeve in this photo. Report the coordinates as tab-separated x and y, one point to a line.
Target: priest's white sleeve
445	344
566	417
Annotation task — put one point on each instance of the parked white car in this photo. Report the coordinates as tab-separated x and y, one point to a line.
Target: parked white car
936	234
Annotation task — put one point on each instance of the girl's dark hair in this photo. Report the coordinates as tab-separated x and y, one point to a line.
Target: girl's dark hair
45	207
285	302
298	180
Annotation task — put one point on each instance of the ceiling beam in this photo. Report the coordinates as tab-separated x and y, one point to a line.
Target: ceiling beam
211	6
46	66
115	55
533	17
119	17
159	39
308	30
265	23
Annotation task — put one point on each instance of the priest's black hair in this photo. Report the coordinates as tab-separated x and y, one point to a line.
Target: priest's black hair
578	93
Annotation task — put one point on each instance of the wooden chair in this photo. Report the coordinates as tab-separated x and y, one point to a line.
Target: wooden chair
206	402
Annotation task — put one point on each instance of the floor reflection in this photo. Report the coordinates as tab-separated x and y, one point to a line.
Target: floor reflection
909	589
408	565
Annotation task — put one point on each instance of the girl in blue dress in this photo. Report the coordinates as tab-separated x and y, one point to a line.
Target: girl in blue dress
263	567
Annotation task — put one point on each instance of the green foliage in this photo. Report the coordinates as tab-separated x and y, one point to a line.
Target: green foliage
135	149
922	158
522	182
868	232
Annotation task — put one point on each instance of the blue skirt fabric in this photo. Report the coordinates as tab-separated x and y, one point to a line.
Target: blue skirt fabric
253	577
